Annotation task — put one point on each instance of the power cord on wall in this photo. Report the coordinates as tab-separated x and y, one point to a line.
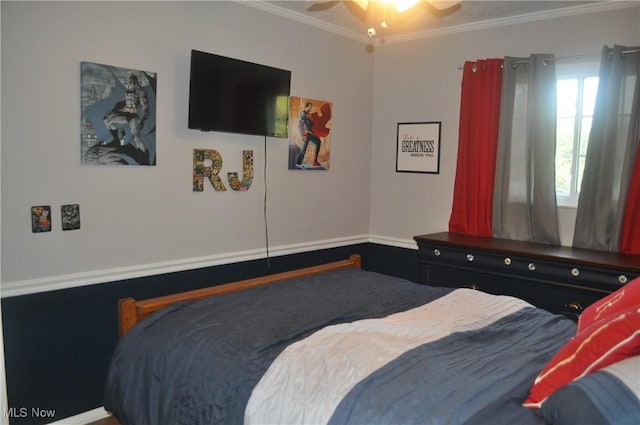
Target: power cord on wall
266	224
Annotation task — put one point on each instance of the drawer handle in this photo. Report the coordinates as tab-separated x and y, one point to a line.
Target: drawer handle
622	279
470	257
531	266
575	272
436	252
574	307
507	261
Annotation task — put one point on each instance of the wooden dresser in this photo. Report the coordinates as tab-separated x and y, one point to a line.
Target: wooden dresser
559	279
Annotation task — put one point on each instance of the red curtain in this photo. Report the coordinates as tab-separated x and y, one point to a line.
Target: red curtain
477	146
630	237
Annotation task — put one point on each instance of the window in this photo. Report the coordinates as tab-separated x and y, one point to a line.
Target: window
577	85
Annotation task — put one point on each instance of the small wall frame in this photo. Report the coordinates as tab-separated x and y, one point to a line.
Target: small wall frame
418	147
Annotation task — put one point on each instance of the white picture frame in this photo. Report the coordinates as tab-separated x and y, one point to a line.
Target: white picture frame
418	147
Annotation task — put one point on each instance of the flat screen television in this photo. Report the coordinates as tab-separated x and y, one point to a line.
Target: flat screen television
235	96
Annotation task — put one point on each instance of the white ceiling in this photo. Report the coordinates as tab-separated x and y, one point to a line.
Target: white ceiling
420	22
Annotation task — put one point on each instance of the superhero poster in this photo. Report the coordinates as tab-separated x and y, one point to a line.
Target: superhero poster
118	122
309	134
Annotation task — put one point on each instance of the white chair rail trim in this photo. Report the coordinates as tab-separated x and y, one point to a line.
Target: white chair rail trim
52	283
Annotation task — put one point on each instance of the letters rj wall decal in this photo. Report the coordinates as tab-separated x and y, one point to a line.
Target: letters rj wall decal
418	147
208	163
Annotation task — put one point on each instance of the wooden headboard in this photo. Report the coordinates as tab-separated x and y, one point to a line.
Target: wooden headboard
131	311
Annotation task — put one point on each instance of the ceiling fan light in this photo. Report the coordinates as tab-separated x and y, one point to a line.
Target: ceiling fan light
402	5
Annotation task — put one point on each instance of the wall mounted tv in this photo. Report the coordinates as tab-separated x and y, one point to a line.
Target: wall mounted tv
235	96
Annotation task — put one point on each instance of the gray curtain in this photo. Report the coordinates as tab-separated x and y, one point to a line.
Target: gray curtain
613	143
524	200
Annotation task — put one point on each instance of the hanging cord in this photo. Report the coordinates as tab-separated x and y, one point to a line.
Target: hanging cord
266	225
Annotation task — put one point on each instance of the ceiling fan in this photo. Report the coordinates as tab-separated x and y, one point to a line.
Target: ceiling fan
363	9
359	7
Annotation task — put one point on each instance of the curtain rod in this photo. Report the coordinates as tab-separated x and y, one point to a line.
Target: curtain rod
624	52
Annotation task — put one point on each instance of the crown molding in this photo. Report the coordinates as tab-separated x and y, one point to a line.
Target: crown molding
582	9
438	32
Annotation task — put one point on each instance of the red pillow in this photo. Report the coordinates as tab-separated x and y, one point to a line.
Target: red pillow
625	297
605	342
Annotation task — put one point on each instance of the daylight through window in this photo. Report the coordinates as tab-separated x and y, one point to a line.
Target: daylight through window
577	85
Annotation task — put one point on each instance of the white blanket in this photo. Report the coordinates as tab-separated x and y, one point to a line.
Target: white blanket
309	378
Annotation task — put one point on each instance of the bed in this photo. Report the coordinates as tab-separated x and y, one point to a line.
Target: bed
336	344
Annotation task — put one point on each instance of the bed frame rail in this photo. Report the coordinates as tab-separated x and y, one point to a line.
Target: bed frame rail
131	311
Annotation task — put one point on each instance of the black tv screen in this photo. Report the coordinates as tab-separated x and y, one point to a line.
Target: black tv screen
235	96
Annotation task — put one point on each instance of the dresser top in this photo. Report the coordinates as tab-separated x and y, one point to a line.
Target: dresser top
588	257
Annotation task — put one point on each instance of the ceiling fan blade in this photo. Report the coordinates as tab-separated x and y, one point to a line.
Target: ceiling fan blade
443	5
439	11
362	3
320	6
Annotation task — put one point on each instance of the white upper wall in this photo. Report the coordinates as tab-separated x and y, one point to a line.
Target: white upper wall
420	81
142	218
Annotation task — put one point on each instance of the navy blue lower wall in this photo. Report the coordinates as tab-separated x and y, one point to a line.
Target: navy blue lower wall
58	344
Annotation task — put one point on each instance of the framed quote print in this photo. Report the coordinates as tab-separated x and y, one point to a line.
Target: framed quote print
418	147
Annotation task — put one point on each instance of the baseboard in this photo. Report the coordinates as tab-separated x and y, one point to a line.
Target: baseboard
84	418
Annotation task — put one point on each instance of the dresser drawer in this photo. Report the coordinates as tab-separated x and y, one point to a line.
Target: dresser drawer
465	258
570	274
568	301
457	278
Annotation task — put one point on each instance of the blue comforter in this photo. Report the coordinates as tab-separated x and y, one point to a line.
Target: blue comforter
310	342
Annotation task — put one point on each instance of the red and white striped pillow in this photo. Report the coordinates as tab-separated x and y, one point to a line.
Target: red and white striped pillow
605	341
623	298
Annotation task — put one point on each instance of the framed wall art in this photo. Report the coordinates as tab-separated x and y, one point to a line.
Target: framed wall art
309	133
41	218
70	214
418	147
118	123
